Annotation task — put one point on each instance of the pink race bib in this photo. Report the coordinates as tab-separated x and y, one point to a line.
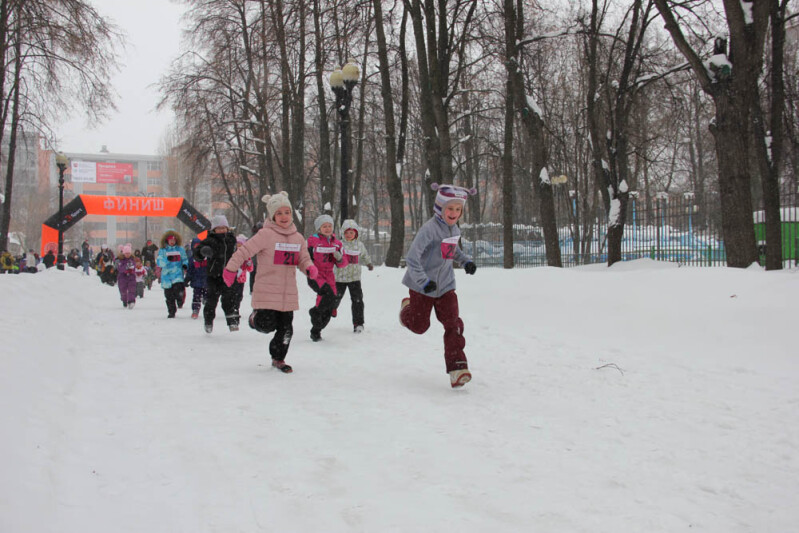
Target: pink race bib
352	257
448	247
287	254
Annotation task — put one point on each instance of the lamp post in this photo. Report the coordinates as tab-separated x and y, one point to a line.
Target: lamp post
343	81
145	195
61	162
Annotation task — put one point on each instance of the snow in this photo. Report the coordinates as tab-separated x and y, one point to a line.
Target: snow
746	7
787	214
532	104
544	176
642	397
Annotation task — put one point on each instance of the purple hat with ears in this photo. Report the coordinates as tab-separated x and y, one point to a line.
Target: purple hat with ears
449	193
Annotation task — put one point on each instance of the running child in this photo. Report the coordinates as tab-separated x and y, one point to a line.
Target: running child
280	249
349	277
431	280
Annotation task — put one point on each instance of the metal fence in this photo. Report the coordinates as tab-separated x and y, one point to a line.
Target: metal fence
666	228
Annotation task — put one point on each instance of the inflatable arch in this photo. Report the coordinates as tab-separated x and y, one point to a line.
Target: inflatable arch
132	206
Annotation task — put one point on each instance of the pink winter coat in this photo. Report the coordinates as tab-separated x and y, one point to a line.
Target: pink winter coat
323	248
279	252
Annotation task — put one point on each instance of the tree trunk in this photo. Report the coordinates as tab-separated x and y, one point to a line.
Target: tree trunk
393	181
5	220
325	168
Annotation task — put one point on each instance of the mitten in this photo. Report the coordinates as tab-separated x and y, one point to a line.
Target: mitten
429	287
312	272
337	255
470	267
206	251
228	277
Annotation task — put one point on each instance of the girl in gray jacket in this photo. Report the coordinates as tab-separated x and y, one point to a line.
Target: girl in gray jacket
431	280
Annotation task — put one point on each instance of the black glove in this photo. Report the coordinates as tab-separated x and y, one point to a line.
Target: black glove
470	267
429	287
206	251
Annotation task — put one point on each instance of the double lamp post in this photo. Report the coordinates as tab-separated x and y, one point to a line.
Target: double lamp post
343	81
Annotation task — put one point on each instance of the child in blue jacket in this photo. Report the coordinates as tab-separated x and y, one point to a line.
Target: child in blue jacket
171	260
431	280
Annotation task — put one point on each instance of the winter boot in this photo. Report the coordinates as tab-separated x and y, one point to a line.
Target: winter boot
195	315
316	335
403	304
233	327
459	378
282	366
130	305
209	328
358	329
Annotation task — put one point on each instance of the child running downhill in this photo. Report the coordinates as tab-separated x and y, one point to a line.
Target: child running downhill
280	249
431	279
197	275
325	250
126	276
171	260
349	277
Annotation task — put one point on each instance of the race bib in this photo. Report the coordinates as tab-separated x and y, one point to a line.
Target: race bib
352	257
287	254
173	257
448	247
327	252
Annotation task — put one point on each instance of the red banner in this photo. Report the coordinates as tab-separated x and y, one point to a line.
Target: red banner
114	173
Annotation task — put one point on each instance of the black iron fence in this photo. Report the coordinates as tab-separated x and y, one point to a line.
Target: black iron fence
673	228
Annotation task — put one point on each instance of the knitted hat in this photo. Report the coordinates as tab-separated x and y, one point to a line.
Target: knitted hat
449	193
241	238
274	202
127	249
218	221
321	219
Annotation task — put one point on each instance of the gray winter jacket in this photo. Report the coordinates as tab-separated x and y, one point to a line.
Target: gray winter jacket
430	257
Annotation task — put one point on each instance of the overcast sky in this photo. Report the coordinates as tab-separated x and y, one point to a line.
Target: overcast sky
153	33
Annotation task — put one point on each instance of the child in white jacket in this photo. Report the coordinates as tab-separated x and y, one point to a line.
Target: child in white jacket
349	277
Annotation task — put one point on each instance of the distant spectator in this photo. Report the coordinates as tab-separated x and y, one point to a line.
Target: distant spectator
7	263
85	256
49	259
148	252
30	262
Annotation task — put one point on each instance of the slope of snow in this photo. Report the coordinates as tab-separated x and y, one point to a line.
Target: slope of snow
643	397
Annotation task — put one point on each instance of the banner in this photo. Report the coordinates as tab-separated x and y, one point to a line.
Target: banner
135	206
92	172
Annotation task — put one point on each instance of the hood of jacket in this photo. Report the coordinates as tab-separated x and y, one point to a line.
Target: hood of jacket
350	224
178	238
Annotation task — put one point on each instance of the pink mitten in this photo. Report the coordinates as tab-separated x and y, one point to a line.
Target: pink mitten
313	272
228	277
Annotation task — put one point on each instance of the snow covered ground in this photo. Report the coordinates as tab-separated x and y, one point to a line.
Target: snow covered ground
641	398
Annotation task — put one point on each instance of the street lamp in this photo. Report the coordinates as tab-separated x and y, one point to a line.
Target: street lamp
146	195
343	81
61	162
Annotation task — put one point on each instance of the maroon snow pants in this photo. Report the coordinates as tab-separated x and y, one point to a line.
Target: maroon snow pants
416	317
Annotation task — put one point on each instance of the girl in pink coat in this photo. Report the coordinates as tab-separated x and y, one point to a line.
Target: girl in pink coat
325	250
280	248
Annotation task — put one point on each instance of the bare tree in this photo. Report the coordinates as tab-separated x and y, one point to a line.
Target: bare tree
56	55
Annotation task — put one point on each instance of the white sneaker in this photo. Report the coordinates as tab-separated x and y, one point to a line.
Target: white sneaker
459	378
130	305
358	329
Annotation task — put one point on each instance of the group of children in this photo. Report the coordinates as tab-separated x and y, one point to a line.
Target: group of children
219	264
